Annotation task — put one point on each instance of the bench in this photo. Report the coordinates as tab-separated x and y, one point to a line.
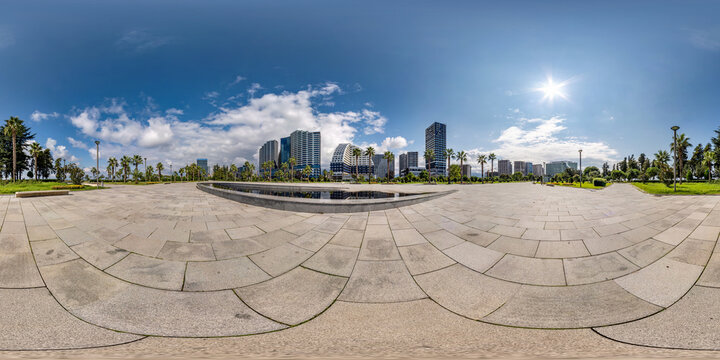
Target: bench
24	194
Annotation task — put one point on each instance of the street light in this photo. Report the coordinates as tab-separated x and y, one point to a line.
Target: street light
581	173
675	129
97	165
172	175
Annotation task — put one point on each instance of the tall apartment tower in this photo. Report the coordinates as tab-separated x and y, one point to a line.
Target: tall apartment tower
412	159
528	168
504	167
284	150
268	152
202	163
435	140
519	166
305	148
403	162
538	170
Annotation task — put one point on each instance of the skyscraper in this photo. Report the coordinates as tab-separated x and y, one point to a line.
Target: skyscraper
557	167
412	159
435	140
381	167
504	167
268	152
403	163
528	168
538	170
305	148
519	166
343	163
467	170
284	150
202	163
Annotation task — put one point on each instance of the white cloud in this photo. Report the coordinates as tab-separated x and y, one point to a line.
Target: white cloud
174	111
397	143
253	89
58	151
230	135
374	121
238	79
77	143
140	41
39	116
542	142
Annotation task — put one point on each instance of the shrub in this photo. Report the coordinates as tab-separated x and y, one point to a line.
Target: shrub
599	182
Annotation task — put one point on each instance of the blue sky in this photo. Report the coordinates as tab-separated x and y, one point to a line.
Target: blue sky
177	80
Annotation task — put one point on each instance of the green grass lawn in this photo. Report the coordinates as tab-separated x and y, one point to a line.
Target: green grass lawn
584	186
682	189
11	188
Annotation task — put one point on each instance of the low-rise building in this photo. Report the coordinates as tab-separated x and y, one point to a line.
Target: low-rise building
344	165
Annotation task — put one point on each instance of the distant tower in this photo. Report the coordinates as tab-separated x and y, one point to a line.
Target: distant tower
435	140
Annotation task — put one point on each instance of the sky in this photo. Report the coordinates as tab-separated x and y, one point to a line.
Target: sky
178	80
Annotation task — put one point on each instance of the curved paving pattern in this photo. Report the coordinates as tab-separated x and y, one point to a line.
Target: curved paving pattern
169	260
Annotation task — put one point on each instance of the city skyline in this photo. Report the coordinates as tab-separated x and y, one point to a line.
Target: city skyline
536	87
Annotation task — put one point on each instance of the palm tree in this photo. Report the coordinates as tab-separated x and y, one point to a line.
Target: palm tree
306	171
125	162
357	152
449	153
149	172
292	162
181	171
389	156
35	151
137	160
462	156
234	170
12	126
429	157
708	160
662	157
112	166
683	143
160	168
492	158
481	160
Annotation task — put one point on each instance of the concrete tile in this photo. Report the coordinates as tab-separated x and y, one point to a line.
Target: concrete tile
333	259
19	271
140	245
606	244
529	270
646	252
579	306
40	232
281	259
180	251
152	272
49	252
466	292
596	268
442	239
561	249
709	233
294	297
405	237
99	253
691	251
673	235
711	275
381	282
313	240
222	274
423	258
541	234
236	248
474	256
208	236
515	246
347	237
243	232
662	282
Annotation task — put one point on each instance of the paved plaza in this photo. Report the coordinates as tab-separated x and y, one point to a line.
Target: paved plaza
499	268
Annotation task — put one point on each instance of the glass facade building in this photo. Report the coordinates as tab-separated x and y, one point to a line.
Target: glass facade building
436	140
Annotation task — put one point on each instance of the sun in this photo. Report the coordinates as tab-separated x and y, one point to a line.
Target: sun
552	90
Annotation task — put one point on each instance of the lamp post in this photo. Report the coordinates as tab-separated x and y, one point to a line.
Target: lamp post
581	173
172	175
97	165
675	129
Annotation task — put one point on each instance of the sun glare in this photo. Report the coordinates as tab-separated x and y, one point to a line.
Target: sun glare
552	90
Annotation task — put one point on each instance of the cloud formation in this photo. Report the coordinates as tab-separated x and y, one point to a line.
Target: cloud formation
38	116
232	134
541	140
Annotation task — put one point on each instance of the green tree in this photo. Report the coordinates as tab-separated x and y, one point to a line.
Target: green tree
482	160
35	151
683	143
462	157
454	172
429	157
517	176
125	162
76	174
234	170
160	168
59	170
15	138
708	161
492	158
389	157
137	160
112	167
357	152
292	162
449	154
306	172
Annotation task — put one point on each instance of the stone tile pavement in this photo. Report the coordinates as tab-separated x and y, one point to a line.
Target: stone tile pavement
112	267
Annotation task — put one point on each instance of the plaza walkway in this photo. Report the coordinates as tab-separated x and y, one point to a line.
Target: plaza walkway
141	265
